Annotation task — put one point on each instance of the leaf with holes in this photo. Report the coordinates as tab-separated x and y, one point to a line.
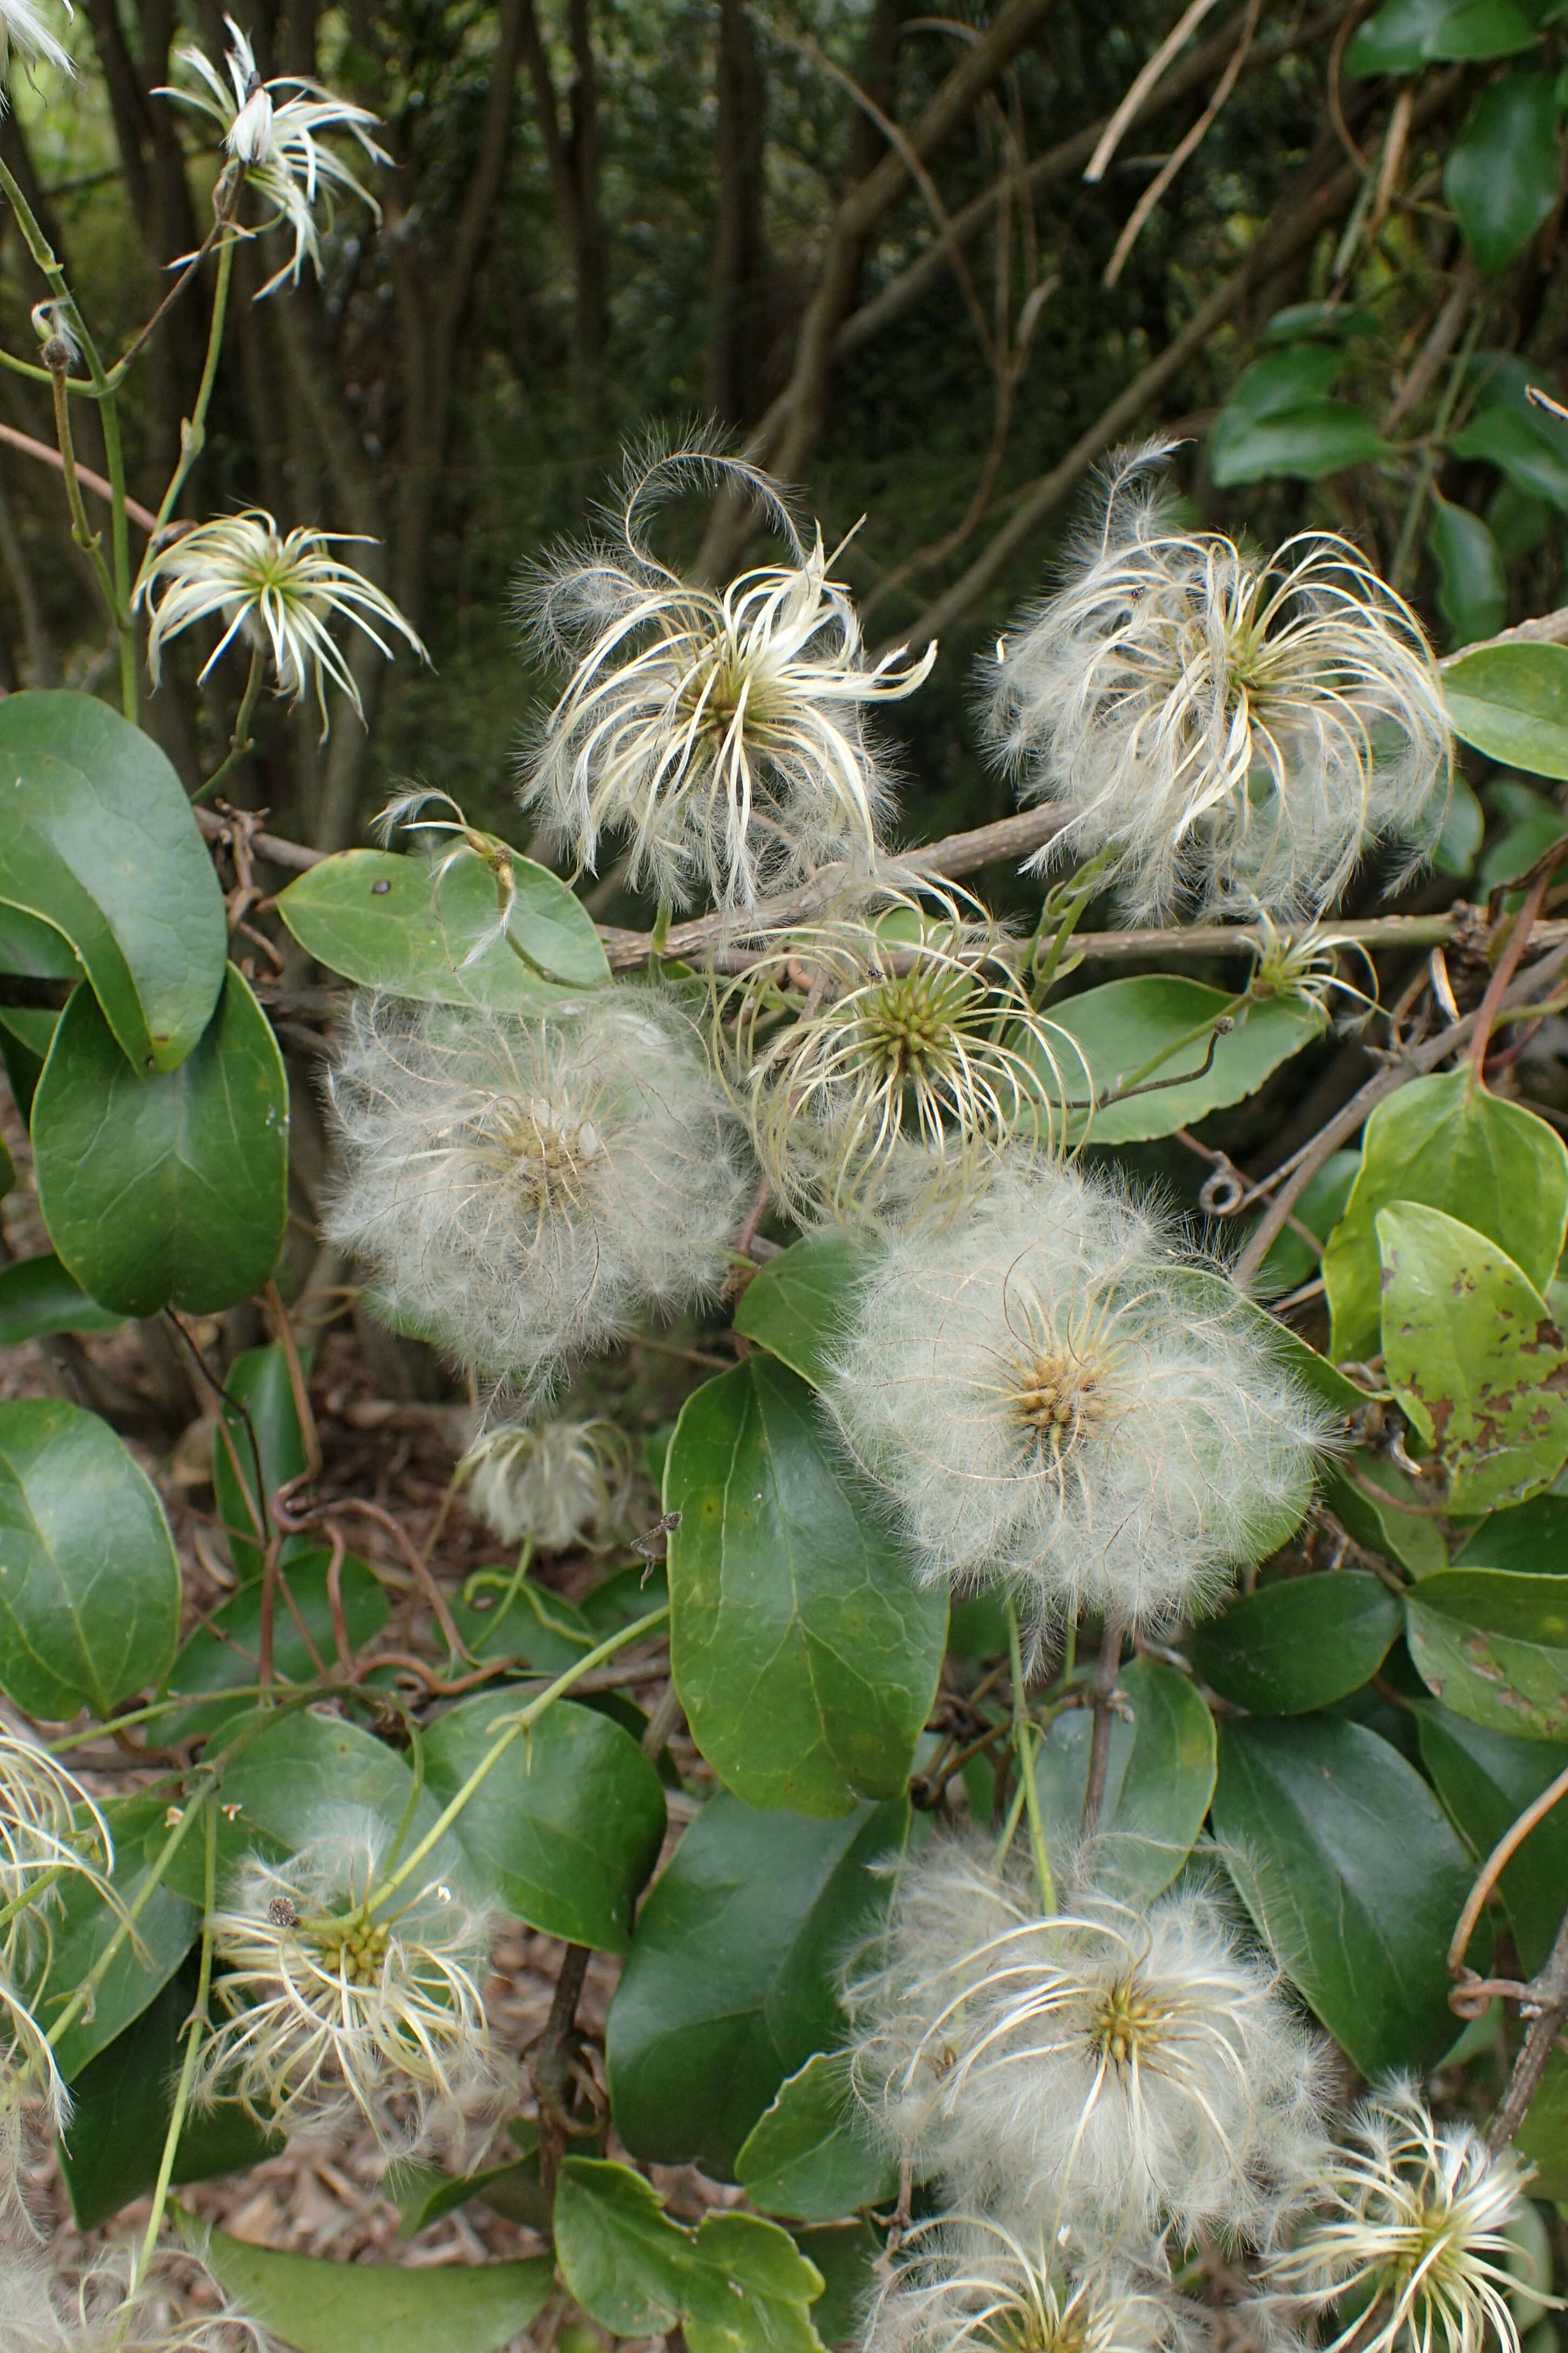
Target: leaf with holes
1493	1646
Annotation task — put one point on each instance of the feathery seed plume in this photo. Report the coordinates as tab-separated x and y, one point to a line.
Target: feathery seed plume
1232	728
1104	2070
1049	1392
22	28
554	1485
50	1830
970	2285
522	1189
104	2305
722	732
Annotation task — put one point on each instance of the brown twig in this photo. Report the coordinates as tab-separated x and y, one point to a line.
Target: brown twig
46	456
1545	2004
1497	1862
1103	1688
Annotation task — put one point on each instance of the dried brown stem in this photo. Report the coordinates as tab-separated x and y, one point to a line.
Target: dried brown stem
1545	2003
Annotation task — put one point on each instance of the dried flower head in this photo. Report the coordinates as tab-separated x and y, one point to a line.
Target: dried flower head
970	2285
524	1189
1101	2069
22	28
1231	728
1306	966
104	2303
910	1022
554	1485
51	1830
1412	2238
278	142
337	2003
722	731
278	594
1048	1391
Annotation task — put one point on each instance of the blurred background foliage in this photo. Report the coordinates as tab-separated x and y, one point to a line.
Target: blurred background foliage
862	237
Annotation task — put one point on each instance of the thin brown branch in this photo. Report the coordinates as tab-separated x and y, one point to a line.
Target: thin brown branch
141	516
1497	1862
1546	2006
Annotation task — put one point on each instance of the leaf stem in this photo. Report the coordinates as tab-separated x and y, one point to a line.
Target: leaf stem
195	1808
194	429
1024	1753
196	2026
241	741
1106	1673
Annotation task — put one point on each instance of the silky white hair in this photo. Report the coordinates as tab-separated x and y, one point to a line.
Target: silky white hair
522	1190
554	1484
1048	1391
971	2283
1230	728
107	2302
1107	2070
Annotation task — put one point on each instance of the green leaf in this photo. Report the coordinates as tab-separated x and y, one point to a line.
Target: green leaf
567	1826
1486	1781
1158	1783
736	2285
732	1979
1338	319
1290	1261
423	2193
388	921
847	2256
1542	2138
1473	1358
805	1657
1537	823
318	2307
97	838
1405	34
225	1653
1472	586
1511	702
1504	171
121	2103
1412	1537
1302	444
1452	1146
168	1191
1126	1026
165	1930
30	947
798	1305
1282	380
1460	842
258	1416
1299	1645
527	1622
1493	1646
1348	1867
38	1296
805	2158
89	1588
1479	29
1532	1538
1510	439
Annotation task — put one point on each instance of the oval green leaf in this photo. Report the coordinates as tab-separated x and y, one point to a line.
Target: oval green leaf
1493	1646
805	1657
797	1307
805	2158
1486	1781
318	2307
1505	169
224	1654
1301	444
166	1928
1474	1357
395	922
732	1979
38	1297
1449	1144
1472	584
1511	702
1349	1868
1299	1645
566	1829
1153	1030
1531	1537
1533	463
257	1417
89	1587
168	1191
1158	1783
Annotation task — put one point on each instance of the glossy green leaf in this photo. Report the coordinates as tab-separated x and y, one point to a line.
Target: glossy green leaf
1510	440
1458	844
1412	1537
1282	380
1299	1645
166	1928
808	2157
1530	832
32	947
97	838
1447	1143
168	1191
1132	1032
225	1653
121	2103
847	2256
1301	444
515	1617
566	1828
1486	1781
732	1979
1511	702
1341	320
1480	29
1504	170
1349	1868
797	1307
423	2193
89	1588
318	2307
1472	586
1290	1261
805	1657
1473	1358
1532	1538
1158	1783
736	2285
1403	36
1493	1646
258	1419
391	922
1542	2138
38	1297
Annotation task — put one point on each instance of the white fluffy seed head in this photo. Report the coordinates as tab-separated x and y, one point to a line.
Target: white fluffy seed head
102	2305
1411	2239
1230	728
1105	2071
1048	1391
969	2284
721	733
553	1484
523	1190
25	32
341	2007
